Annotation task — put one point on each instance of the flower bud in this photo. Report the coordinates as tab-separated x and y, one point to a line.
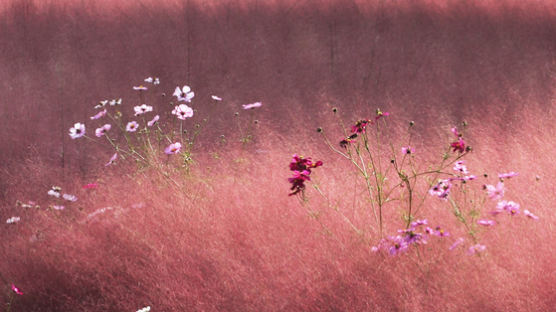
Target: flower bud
319	129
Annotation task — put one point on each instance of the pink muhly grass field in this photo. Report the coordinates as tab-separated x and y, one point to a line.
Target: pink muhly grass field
209	226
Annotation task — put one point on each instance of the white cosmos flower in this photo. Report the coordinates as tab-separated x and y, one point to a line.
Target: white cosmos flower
184	94
252	105
69	197
55	191
140	88
116	102
13	220
101	104
145	309
149	79
216	98
183	111
77	131
141	109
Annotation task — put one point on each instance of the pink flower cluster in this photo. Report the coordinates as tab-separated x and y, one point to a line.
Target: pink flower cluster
459	144
360	127
407	237
301	168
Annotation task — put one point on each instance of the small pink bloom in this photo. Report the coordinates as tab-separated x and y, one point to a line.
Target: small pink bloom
90	186
458	145
456	243
408	150
477	248
252	105
507	175
460	167
495	192
99	114
509	206
69	197
58	207
173	148
112	159
132	126
454	130
486	222
16	290
153	121
183	111
530	214
441	189
102	130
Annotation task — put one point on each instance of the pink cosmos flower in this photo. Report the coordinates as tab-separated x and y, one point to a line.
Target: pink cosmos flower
16	290
495	192
99	115
511	207
173	148
153	121
530	214
476	248
456	243
252	105
216	98
139	88
184	94
408	150
441	189
132	126
460	167
486	222
454	130
141	109
507	175
112	159
102	130
77	131
58	207
183	111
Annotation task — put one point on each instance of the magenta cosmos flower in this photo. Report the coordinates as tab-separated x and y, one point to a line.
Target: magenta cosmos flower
132	126
77	131
102	130
183	111
141	109
184	94
16	290
173	148
153	121
252	105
